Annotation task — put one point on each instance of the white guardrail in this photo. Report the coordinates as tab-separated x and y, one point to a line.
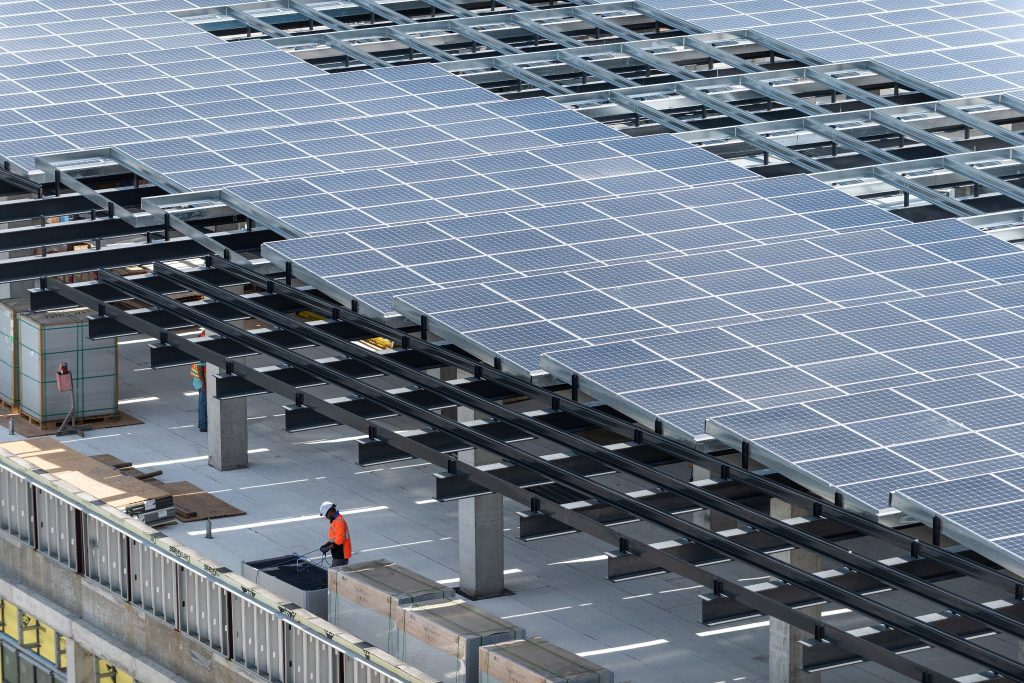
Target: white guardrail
222	610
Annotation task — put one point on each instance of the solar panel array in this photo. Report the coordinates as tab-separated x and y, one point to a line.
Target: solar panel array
984	510
859	353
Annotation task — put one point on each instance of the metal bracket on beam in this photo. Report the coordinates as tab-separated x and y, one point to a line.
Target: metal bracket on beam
102	327
167	356
454	485
377	452
298	418
228	386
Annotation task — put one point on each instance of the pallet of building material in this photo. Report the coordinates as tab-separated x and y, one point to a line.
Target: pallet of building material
364	599
193	504
31	428
444	637
141	499
535	660
292	577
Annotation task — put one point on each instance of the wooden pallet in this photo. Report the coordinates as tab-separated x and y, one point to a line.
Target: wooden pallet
31	427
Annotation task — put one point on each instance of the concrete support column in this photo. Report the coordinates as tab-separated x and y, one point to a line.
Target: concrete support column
785	653
710	519
481	541
227	427
481	523
81	663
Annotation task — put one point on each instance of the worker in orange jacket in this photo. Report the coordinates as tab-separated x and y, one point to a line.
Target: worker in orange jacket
339	544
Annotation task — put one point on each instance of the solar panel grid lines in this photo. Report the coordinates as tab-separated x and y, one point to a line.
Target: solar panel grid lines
725	286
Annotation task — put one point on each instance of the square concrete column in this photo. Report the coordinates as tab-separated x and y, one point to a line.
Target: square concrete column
227	427
481	541
481	522
785	653
81	663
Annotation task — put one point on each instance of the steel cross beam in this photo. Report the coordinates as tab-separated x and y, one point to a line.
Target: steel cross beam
793	101
700	535
916	83
315	14
66	233
936	142
847	88
846	140
721	55
556	37
780	47
596	71
256	23
450	8
352	51
993	130
628	430
607	26
527	76
791	155
984	178
487	481
657	62
926	193
417	44
379	10
720	106
481	38
648	112
667	483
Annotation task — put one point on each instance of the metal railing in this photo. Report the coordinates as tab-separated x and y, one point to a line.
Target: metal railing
219	609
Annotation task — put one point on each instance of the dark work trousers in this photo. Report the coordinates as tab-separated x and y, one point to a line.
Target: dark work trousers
202	409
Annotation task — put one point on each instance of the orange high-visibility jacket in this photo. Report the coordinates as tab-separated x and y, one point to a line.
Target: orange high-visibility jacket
338	535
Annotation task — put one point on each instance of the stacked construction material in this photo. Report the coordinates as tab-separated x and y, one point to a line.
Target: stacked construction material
45	340
537	661
10	310
365	598
444	637
292	577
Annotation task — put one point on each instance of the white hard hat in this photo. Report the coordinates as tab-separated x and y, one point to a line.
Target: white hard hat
324	507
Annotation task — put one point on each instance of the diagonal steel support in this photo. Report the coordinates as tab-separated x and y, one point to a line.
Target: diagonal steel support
606	25
850	142
527	76
316	15
596	71
648	112
762	88
993	130
378	10
450	8
723	56
936	142
926	193
418	45
253	22
556	37
481	38
985	179
792	156
352	51
715	104
847	89
659	63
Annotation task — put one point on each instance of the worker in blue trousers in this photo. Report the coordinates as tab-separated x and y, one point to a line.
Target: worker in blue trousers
199	384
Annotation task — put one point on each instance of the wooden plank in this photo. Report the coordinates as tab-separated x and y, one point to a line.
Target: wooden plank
98	480
194	504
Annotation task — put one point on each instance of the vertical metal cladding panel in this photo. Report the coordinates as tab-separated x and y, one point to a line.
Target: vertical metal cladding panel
15	505
106	556
358	672
308	658
257	638
203	609
10	309
153	582
56	529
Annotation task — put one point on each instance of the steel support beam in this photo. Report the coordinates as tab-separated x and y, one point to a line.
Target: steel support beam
985	179
263	27
316	15
722	56
648	112
993	130
556	37
488	481
418	45
596	71
527	76
762	88
926	193
936	142
846	140
657	62
847	89
481	38
720	106
605	25
791	155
